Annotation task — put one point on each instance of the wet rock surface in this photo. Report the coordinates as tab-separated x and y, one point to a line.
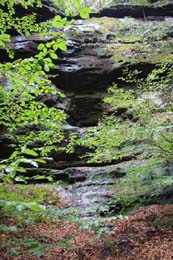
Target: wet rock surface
92	191
87	188
92	188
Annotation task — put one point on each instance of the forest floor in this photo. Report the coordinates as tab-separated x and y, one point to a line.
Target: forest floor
147	234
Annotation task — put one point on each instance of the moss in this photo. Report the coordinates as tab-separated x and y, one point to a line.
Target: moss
129	29
108	24
132	50
130	41
41	193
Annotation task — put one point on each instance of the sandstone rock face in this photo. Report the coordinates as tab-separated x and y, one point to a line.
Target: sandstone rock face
101	47
87	187
99	50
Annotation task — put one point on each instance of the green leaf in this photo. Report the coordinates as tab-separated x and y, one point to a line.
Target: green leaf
56	46
50	178
14	155
39	177
85	13
48	60
67	12
45	51
48	44
46	68
53	55
62	46
40	46
30	152
57	18
9	179
4	38
2	44
20	179
58	24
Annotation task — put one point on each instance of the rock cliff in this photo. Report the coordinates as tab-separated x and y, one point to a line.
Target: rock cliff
99	49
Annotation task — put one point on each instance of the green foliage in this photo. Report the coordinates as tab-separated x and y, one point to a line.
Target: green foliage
29	125
144	182
3	39
26	204
16	163
24	25
98	224
140	127
20	107
28	122
74	7
29	205
36	247
144	122
115	137
147	176
9	167
32	128
27	212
